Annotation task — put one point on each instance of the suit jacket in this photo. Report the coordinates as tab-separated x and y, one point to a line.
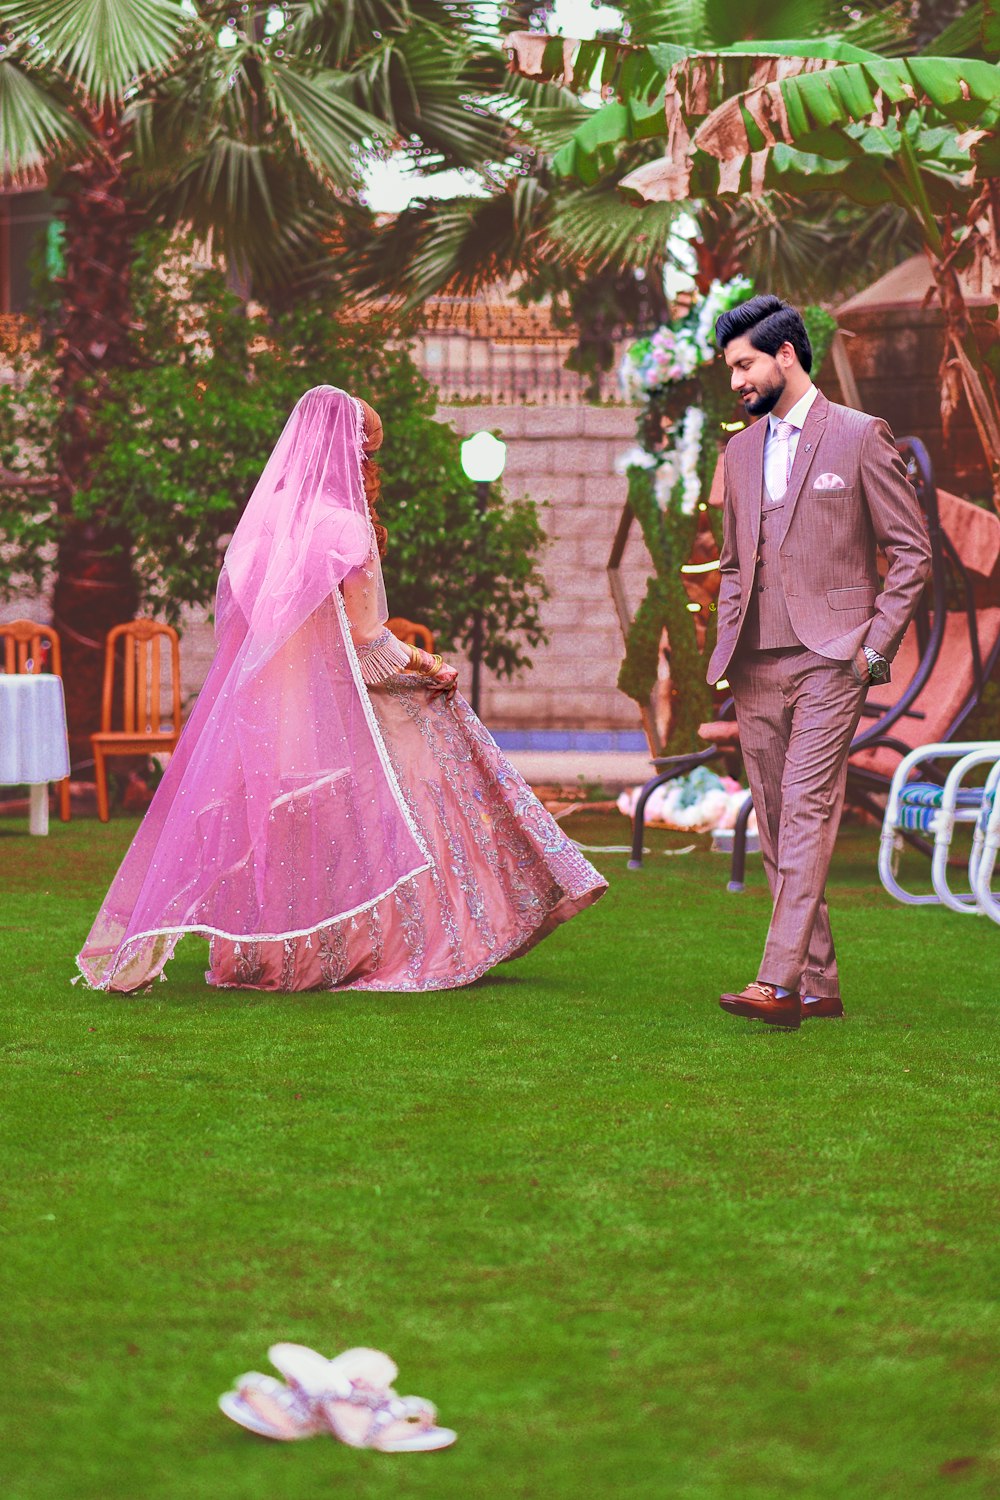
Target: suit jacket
827	558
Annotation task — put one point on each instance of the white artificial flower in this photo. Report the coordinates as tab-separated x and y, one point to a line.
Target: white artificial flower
634	458
687	353
666	478
679	465
707	315
688	454
630	378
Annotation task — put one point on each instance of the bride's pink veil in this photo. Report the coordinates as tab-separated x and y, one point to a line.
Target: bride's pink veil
279	813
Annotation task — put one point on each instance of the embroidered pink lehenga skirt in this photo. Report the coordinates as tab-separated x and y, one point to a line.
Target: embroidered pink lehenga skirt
502	874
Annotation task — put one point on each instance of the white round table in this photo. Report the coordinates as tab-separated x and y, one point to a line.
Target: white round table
33	746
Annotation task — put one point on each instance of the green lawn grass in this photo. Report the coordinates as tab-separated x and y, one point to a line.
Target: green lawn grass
631	1246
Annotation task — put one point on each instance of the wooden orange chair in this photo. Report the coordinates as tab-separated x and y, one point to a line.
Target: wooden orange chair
141	732
24	651
411	633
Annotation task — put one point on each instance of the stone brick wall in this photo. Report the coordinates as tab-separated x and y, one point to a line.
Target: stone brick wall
565	457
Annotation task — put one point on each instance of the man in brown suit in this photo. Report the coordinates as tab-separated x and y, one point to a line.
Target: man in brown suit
811	493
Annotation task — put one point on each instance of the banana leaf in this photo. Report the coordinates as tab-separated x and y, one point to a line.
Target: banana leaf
737	106
638	78
962	91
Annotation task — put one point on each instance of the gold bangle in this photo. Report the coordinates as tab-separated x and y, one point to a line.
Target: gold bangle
436	665
415	659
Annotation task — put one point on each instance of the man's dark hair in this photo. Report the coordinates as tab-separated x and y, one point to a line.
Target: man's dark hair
768	323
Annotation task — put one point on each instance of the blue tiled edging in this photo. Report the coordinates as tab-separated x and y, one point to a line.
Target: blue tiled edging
570	739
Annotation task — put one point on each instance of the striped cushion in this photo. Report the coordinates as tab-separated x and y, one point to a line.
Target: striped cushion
920	800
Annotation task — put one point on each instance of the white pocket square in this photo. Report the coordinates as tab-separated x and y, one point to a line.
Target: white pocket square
829	482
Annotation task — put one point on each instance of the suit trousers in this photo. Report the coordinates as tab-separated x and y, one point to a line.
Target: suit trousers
797	714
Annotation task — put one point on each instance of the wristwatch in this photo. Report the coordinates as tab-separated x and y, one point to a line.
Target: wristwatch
878	667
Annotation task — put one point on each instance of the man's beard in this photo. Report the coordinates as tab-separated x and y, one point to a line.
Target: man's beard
766	400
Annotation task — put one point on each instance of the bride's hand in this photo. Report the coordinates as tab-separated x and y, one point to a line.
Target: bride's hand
445	680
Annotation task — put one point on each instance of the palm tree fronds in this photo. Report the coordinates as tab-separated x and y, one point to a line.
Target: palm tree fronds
963	38
343	32
466	245
596	228
459	246
257	206
761	20
679	21
707	24
34	128
103	46
434	94
329	129
821	250
887	31
550	125
991	27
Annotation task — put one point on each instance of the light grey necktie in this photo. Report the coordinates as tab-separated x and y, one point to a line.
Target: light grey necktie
782	435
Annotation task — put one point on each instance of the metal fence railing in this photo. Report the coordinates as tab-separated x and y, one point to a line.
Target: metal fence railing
496	349
471	367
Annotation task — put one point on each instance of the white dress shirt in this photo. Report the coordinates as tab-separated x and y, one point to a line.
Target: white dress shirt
774	450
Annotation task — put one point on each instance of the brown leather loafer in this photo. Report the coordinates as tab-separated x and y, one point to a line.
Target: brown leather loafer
826	1008
761	1002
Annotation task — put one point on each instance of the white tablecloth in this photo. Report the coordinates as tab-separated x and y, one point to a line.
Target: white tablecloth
33	745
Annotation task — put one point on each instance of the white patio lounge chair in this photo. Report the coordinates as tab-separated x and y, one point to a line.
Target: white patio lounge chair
916	806
984	851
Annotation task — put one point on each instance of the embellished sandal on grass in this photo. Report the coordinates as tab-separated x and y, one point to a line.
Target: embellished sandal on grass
306	1371
355	1397
350	1396
383	1420
363	1410
264	1405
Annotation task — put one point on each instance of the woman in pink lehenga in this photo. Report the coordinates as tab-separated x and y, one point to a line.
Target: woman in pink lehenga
334	816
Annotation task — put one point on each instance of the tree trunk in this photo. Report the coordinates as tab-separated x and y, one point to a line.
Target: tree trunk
95	587
94	590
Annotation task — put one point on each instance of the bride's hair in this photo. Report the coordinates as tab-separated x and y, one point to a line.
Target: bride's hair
371	474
